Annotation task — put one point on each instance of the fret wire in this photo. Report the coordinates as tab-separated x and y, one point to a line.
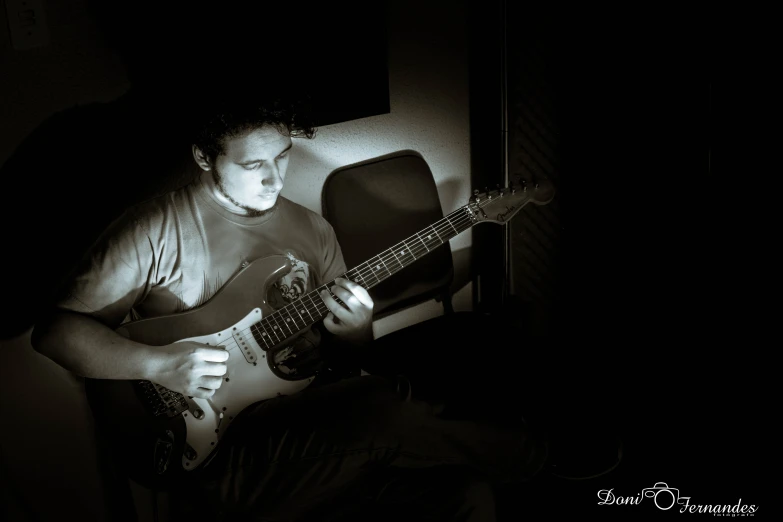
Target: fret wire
370	271
317	308
422	242
304	305
410	249
271	332
260	335
286	321
276	327
452	226
404	249
376	267
304	323
435	243
436	233
447	229
395	256
384	265
359	275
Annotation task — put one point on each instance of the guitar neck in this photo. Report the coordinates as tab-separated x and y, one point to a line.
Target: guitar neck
406	252
310	308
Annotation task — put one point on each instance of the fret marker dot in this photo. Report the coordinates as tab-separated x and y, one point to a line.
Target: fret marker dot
302	312
429	237
377	267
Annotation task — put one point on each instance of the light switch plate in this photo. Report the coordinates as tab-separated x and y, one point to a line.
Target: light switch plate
27	24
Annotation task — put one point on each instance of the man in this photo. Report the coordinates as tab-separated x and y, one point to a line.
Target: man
288	456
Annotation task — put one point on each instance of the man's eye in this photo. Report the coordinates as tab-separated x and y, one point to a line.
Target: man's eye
254	166
283	155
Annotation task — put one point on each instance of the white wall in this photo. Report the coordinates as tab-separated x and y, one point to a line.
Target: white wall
428	84
46	440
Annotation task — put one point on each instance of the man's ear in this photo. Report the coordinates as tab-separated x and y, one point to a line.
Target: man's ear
201	159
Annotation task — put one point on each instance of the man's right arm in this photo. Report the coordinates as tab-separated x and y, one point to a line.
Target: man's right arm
79	333
87	347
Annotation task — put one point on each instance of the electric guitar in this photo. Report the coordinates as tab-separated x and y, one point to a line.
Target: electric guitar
159	436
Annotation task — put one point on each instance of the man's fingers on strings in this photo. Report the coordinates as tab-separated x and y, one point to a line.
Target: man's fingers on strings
347	297
357	290
334	307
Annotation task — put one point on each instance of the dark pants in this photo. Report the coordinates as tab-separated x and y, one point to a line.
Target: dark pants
301	456
355	444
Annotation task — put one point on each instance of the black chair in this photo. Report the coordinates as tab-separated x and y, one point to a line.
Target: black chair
372	206
377	203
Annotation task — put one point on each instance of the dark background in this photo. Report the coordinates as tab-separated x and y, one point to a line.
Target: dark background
659	254
653	311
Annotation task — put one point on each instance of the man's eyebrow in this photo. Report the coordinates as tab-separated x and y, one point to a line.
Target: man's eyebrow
250	162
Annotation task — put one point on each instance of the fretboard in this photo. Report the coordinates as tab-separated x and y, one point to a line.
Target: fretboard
285	322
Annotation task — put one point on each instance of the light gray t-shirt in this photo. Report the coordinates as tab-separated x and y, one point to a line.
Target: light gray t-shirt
172	253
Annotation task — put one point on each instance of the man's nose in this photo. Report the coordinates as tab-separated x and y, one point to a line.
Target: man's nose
272	178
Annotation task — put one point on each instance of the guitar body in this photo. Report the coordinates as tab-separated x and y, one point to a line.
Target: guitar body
157	450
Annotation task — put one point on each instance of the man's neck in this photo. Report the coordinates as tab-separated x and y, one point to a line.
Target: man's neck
209	183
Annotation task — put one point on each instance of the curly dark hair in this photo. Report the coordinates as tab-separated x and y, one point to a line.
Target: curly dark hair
234	114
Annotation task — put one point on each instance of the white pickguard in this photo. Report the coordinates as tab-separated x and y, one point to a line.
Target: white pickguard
243	385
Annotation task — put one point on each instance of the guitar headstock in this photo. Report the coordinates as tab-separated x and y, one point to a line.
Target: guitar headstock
500	205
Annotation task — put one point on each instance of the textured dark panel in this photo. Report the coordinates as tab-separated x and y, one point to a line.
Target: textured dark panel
533	139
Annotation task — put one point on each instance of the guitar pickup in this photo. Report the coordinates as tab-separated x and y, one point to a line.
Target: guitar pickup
247	344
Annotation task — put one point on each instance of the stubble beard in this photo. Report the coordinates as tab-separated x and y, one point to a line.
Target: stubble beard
250	211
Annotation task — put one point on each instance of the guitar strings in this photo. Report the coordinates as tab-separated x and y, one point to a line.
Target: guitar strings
461	216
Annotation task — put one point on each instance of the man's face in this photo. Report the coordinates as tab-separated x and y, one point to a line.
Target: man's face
251	171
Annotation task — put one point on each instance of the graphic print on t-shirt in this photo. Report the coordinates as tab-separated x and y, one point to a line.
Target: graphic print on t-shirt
291	286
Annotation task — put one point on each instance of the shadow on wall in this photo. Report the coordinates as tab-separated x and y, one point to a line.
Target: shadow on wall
69	179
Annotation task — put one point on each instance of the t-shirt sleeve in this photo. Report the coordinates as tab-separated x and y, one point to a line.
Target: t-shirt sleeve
113	276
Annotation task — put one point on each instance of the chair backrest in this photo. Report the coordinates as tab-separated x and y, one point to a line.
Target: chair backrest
375	204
